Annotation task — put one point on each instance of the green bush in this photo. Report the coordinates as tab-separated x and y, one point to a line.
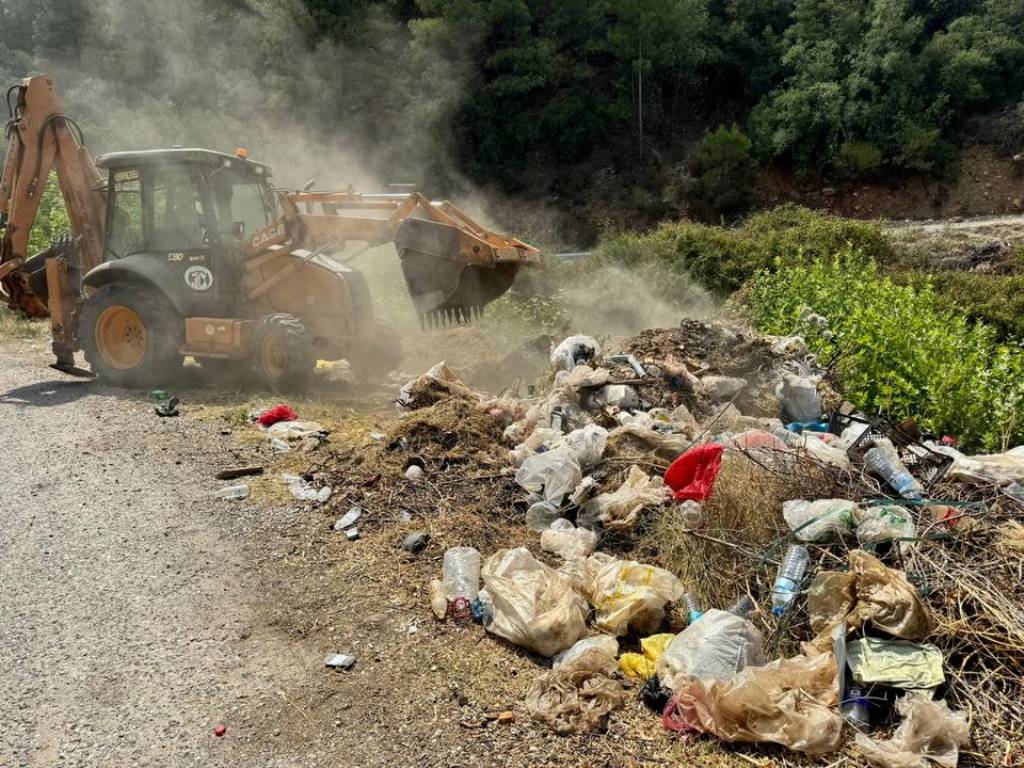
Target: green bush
901	348
723	259
859	157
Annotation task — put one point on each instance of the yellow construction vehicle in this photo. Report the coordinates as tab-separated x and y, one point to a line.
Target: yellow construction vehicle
181	252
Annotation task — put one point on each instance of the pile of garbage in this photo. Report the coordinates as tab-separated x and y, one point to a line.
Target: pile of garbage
881	589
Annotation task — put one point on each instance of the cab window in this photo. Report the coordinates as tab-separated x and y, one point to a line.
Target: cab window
177	218
125	228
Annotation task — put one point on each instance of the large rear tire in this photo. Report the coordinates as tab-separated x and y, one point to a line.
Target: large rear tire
131	336
283	356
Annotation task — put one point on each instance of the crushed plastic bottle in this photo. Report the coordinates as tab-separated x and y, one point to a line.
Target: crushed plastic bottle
791	572
461	581
693	611
692	513
541	515
893	473
232	492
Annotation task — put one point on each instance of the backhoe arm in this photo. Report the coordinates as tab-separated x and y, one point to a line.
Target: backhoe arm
41	138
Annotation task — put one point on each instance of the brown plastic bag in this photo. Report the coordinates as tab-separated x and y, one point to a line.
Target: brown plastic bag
578	696
929	731
533	605
788	701
869	593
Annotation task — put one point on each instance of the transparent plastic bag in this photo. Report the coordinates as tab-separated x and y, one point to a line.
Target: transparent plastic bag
800	399
831	518
620	509
716	647
567	541
885	522
930	732
588	443
578	696
553	473
606	644
573	351
532	605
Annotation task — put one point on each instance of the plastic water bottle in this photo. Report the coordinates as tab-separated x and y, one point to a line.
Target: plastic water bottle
897	477
692	514
791	572
232	492
461	580
692	607
743	607
541	515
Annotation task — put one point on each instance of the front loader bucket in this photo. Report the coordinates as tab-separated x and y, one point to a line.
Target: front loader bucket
452	273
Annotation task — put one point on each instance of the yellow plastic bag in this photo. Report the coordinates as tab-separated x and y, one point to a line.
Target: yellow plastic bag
628	596
641	666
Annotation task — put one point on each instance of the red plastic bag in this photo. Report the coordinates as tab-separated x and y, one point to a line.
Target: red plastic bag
692	475
279	412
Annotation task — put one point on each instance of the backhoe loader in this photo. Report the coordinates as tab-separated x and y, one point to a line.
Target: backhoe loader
182	252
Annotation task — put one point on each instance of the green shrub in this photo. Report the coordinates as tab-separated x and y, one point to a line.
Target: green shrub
902	349
723	259
858	157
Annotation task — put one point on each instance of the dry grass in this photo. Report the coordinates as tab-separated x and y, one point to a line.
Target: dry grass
17	326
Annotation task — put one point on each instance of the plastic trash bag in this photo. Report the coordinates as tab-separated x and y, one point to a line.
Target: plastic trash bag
532	605
578	696
619	510
692	475
896	663
541	437
821	519
588	443
567	541
621	396
628	596
716	647
641	666
788	701
573	351
998	468
606	644
666	444
823	452
800	399
885	522
439	383
869	593
722	388
286	435
930	731
554	473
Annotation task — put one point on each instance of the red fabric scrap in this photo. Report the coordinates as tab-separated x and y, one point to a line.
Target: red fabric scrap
692	475
279	412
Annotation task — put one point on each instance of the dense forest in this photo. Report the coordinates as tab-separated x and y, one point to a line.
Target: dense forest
686	97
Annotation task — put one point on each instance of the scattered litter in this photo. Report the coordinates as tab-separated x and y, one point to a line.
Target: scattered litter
414	473
541	515
800	399
620	509
573	351
567	541
439	383
279	412
821	519
352	534
642	666
233	492
303	489
578	696
168	409
722	388
790	575
532	604
629	360
340	661
930	731
378	436
554	473
306	435
234	474
220	730
348	519
416	542
461	581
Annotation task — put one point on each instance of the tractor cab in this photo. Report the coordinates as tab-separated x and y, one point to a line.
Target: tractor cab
182	202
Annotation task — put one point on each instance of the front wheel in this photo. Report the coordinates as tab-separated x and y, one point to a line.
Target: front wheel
131	336
283	353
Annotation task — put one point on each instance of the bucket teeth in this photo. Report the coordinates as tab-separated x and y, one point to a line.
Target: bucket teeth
448	316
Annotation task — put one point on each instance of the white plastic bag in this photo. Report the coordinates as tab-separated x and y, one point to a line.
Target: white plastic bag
606	644
540	437
722	388
715	647
554	473
885	522
628	596
567	541
834	517
799	396
532	605
619	510
588	443
574	351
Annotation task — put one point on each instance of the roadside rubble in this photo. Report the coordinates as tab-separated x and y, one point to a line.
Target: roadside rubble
710	528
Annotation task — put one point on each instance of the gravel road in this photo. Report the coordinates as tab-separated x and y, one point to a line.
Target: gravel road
129	622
